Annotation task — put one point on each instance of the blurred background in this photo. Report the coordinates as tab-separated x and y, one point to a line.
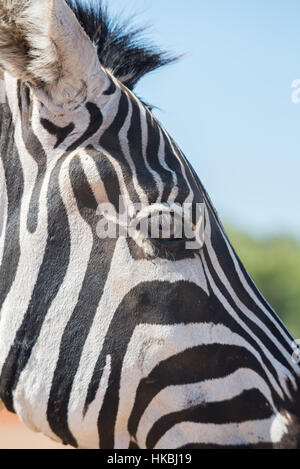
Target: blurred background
228	104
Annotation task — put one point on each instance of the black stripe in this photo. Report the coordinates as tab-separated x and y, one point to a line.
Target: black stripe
133	445
14	186
61	133
235	447
111	88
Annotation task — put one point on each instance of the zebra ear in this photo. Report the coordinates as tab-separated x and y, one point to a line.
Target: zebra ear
42	43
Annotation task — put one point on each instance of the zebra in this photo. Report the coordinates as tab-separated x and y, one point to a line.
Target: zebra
126	342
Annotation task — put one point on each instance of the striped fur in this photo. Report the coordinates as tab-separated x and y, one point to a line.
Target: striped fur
102	345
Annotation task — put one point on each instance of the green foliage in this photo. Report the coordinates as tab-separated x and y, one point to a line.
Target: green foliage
274	264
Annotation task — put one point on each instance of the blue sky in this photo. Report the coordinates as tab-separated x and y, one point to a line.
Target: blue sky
228	102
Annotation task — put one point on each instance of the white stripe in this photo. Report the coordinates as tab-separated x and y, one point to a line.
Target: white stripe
3	209
85	429
2	92
92	174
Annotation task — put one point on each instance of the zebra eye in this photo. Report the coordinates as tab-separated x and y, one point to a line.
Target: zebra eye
162	225
168	228
159	222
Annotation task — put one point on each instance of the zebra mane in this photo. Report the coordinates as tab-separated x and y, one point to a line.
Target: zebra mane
121	46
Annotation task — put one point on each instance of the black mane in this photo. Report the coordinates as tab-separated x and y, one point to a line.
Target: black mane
121	47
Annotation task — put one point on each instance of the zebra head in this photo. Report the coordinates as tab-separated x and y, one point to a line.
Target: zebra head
112	338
